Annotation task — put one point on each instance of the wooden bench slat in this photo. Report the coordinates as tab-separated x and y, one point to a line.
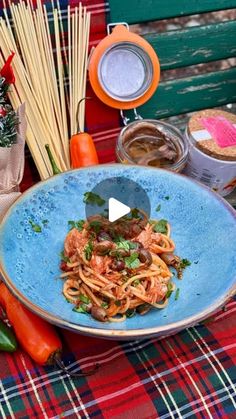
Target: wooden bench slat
195	45
136	11
189	94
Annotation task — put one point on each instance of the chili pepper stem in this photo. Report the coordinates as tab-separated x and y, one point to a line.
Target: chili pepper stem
55	169
77	113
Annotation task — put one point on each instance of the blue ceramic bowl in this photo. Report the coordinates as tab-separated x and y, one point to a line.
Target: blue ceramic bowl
203	228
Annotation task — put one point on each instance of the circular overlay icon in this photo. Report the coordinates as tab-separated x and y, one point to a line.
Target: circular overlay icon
121	204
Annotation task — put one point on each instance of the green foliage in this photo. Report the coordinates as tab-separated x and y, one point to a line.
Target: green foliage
8	121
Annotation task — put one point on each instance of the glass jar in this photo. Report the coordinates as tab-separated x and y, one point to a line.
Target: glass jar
208	162
153	143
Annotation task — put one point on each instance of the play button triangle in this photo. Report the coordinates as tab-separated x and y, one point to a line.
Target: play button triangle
116	209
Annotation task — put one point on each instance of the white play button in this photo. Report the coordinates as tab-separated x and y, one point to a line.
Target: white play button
116	209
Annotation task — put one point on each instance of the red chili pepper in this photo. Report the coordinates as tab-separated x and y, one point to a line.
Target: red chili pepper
82	149
38	338
7	71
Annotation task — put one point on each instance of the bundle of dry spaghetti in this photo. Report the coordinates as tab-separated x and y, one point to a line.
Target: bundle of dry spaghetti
41	69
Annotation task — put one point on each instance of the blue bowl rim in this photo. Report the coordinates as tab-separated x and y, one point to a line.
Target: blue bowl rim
113	333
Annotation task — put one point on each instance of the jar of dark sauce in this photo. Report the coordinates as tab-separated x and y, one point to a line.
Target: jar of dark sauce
153	143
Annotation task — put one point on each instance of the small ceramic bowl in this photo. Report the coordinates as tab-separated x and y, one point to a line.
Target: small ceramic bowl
203	227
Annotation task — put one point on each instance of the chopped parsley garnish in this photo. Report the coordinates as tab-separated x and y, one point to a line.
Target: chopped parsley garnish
136	282
118	303
135	213
93	199
45	222
158	208
132	261
76	224
82	308
95	226
161	227
104	305
184	263
130	313
84	299
124	244
63	257
169	290
167	198
177	294
88	250
35	227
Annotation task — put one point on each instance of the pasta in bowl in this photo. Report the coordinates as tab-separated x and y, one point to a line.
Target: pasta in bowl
112	277
194	222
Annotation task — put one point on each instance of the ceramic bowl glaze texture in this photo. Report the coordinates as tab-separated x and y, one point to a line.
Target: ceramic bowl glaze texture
203	227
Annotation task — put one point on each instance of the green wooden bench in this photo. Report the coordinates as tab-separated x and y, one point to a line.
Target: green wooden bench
182	48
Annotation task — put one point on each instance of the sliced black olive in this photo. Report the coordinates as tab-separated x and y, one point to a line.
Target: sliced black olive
104	236
170	258
145	257
103	248
99	313
138	245
118	265
143	308
119	253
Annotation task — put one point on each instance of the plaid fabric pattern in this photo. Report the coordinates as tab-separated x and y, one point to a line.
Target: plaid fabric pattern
189	375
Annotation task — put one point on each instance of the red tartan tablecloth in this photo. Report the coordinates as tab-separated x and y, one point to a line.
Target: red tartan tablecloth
191	374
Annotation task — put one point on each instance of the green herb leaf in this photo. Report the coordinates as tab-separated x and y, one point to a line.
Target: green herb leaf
123	245
161	227
88	250
45	222
104	305
158	208
118	303
76	224
84	299
184	263
133	245
169	290
95	225
130	313
132	261
177	294
35	227
136	282
63	257
93	199
82	308
135	213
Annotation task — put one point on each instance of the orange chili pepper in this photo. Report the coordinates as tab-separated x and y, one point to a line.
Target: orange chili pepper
37	337
82	149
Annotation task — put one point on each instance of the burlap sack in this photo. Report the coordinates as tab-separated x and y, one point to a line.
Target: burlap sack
12	166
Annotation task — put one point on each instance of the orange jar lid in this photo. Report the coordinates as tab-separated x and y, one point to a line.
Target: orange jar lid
124	70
